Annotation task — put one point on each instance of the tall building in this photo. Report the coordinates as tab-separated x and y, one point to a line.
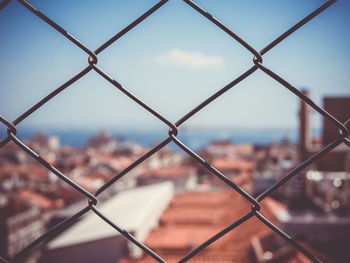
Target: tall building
336	160
339	107
305	135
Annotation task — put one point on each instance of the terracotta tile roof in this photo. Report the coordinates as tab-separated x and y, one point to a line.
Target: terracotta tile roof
169	171
186	237
214	257
37	199
121	162
118	163
180	237
204	208
230	149
194	217
232	164
207	199
100	175
202	257
36	171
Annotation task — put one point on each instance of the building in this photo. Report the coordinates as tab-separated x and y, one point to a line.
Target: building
318	199
183	177
339	107
329	190
226	149
326	232
103	142
20	225
194	217
336	160
93	240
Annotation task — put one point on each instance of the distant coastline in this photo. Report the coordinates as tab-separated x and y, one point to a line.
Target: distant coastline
194	138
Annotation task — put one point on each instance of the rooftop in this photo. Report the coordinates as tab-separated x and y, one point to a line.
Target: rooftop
169	171
130	209
194	217
231	164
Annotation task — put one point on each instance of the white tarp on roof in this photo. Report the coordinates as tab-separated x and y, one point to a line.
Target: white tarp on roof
137	210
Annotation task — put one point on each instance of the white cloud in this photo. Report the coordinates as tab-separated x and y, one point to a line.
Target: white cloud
193	60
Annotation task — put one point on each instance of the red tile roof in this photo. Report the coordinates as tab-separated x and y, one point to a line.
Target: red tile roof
174	257
199	199
38	199
194	217
225	164
36	171
169	171
118	163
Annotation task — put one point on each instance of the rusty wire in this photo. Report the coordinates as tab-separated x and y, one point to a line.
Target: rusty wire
173	130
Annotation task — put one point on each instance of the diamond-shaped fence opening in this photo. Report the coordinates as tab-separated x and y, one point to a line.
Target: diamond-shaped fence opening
92	64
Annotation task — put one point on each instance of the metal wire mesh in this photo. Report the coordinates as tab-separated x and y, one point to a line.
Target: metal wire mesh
173	130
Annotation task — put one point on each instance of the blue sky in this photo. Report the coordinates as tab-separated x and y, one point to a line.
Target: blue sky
173	60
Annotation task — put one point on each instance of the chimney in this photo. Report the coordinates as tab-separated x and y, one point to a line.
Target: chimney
304	128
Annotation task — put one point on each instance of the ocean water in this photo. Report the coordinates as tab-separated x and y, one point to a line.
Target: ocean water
194	138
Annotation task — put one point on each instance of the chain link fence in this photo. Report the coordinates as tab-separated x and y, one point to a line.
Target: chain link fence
257	64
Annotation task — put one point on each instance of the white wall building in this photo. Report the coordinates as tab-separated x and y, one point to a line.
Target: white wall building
93	240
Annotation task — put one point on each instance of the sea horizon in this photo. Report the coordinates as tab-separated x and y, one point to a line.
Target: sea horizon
195	138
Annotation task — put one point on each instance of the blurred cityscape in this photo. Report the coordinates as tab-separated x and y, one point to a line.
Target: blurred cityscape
172	204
